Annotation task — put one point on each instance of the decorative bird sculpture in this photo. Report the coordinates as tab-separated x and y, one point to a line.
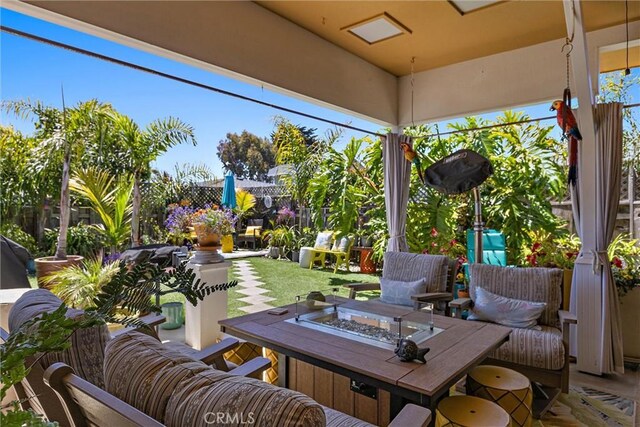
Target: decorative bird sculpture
412	157
571	133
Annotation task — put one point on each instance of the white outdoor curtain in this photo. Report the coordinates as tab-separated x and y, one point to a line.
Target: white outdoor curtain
608	173
397	178
608	121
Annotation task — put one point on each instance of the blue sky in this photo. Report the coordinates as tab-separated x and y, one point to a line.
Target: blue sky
37	71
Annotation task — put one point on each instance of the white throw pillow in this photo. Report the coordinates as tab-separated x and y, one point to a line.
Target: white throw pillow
397	292
510	312
323	240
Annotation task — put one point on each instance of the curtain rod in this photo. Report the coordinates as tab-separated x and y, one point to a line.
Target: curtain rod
178	79
137	67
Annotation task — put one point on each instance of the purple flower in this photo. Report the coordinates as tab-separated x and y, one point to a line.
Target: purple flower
285	216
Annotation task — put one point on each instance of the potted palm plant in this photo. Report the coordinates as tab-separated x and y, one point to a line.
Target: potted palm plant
71	128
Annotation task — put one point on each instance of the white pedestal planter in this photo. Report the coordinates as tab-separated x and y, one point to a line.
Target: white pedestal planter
201	321
305	257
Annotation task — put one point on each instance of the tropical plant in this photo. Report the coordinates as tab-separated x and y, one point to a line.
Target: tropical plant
245	202
142	147
110	198
78	285
280	237
18	235
82	240
552	251
130	290
303	155
62	135
624	254
343	186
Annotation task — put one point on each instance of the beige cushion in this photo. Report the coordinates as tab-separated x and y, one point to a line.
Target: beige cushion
141	372
86	353
539	349
529	284
178	391
209	393
408	267
338	419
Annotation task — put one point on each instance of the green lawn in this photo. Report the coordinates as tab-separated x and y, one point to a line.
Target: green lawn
285	280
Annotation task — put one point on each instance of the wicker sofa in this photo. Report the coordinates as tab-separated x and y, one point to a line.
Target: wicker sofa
542	353
144	379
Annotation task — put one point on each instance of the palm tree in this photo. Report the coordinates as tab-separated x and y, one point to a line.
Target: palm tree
143	147
64	135
110	198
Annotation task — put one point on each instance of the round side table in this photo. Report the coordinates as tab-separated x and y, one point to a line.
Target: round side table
506	387
464	411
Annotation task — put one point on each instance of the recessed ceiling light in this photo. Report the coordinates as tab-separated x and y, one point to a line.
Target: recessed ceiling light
466	6
376	29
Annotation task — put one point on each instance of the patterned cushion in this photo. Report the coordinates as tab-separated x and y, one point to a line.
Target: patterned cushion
213	396
86	354
407	267
540	349
338	419
397	292
510	312
342	244
323	241
529	284
141	372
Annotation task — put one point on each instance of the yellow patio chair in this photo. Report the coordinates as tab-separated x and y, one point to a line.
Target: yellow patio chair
341	249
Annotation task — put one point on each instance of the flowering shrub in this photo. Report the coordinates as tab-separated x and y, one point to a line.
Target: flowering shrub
286	216
552	252
178	223
440	244
624	254
217	221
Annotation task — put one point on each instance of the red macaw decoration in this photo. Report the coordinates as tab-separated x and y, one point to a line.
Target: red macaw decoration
571	133
412	157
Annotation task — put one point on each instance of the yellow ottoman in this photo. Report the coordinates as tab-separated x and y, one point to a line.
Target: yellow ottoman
465	411
508	388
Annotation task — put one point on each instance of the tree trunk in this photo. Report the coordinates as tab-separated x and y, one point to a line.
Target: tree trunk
65	205
135	211
42	222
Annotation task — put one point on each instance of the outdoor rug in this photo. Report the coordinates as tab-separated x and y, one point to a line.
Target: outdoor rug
584	406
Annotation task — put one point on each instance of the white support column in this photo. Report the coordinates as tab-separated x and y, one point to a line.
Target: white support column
587	289
201	322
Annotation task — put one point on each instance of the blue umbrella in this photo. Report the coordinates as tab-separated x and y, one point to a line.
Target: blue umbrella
229	192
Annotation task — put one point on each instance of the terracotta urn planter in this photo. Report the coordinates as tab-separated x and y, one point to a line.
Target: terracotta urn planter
47	265
206	238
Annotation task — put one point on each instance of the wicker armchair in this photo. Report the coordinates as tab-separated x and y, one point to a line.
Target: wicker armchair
439	271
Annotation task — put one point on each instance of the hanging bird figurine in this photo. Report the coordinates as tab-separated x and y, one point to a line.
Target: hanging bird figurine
571	133
412	157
